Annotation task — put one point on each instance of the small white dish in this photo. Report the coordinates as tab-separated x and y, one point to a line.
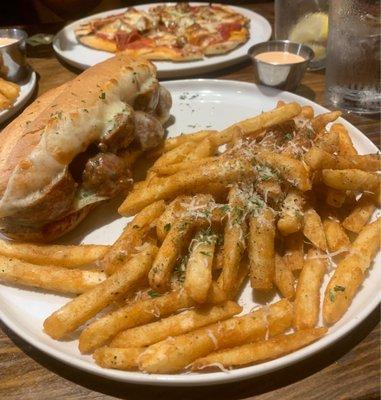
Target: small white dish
197	104
76	54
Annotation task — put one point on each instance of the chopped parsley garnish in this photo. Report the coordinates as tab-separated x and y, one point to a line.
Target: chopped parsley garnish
332	295
167	227
288	136
153	294
225	208
136	227
339	288
205	253
102	95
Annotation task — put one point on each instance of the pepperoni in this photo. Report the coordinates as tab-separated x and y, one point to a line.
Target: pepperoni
139	44
132	40
226	29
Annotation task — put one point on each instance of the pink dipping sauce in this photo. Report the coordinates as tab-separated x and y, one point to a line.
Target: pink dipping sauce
279	57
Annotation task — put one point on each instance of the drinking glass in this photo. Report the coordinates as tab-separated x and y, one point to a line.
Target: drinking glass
353	57
306	22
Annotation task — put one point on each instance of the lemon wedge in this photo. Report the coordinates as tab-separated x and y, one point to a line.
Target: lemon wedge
312	30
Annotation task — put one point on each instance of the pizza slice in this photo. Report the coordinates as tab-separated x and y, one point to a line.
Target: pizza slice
115	32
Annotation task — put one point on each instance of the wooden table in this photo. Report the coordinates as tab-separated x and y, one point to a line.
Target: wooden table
348	370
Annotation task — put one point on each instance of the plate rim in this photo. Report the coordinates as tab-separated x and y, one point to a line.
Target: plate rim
212	378
171	72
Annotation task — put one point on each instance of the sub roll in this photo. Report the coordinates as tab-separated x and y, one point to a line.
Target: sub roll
68	150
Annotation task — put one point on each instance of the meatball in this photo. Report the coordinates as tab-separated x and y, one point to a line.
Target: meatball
164	105
148	100
106	175
119	132
149	132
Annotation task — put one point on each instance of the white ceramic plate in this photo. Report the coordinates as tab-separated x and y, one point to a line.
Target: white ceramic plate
197	104
26	90
67	47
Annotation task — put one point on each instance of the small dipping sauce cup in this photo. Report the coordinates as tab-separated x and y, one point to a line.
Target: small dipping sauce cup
280	63
13	65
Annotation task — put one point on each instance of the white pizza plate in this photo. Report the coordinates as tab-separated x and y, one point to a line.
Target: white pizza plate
197	104
27	87
74	53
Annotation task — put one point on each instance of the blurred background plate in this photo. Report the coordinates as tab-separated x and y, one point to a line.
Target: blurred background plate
27	87
76	54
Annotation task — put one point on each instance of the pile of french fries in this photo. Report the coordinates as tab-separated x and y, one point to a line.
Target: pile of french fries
282	199
9	92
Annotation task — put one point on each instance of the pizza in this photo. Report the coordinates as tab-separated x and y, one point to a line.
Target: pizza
176	32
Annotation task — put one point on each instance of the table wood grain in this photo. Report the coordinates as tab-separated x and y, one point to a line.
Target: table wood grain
349	369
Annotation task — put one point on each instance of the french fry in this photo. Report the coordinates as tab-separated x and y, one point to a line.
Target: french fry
131	238
320	122
82	308
328	141
138	313
289	168
198	275
257	123
172	212
125	359
174	354
270	190
184	165
336	237
317	158
294	255
175	325
198	208
279	317
58	279
284	279
307	298
350	179
291	217
243	273
346	147
4	102
9	89
218	257
59	255
171	143
307	112
175	155
205	148
350	272
261	250
177	238
313	229
260	351
225	170
234	243
361	214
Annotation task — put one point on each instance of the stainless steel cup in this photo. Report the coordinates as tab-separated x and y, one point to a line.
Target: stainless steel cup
281	76
13	65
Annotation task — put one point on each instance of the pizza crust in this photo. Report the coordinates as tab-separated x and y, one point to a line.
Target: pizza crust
98	43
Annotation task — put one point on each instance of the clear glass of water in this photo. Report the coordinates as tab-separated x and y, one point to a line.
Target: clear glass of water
353	80
304	21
